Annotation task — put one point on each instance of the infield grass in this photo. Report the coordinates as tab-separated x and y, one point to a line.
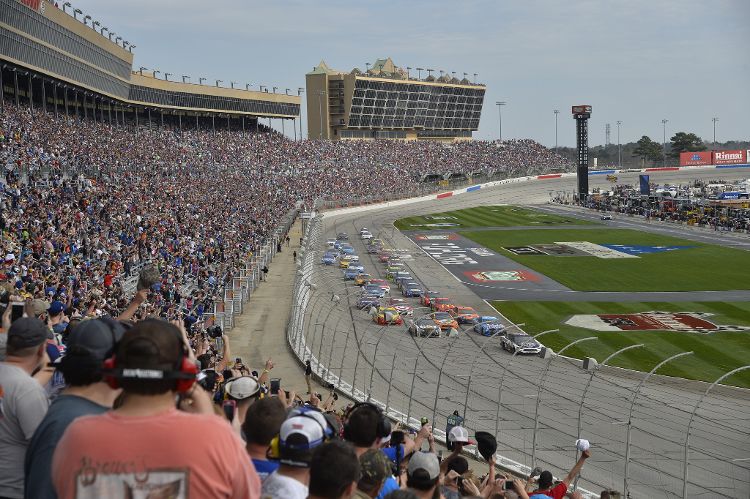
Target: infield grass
487	216
698	268
713	354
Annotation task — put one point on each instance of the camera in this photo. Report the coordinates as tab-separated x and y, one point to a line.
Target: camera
214	332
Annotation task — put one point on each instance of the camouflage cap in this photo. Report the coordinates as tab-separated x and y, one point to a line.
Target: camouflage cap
374	466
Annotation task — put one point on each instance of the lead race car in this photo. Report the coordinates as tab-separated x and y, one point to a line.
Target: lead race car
520	343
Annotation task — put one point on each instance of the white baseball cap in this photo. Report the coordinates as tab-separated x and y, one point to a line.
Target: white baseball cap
459	434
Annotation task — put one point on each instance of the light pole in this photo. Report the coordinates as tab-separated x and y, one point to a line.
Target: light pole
539	391
630	416
556	111
619	151
185	78
500	105
686	449
299	94
714	120
664	141
419	72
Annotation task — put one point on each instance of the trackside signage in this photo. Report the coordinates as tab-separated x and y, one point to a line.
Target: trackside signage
729	157
32	4
695	158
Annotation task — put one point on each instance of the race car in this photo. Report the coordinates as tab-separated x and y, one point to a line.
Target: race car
383	256
464	315
382	283
356	266
521	343
387	316
444	320
330	243
401	305
441	304
364	229
425	327
373	250
344	263
427	297
365	236
362	279
606	217
411	289
350	274
488	325
342	236
373	289
367	301
347	250
401	278
329	258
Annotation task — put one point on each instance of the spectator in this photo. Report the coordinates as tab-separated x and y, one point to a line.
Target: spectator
545	484
366	427
423	474
244	390
299	435
308	374
334	471
262	424
146	445
374	469
22	399
89	344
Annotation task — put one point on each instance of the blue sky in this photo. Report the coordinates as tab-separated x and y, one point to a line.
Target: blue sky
638	61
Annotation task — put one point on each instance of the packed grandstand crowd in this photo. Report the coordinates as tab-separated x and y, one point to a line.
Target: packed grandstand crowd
87	207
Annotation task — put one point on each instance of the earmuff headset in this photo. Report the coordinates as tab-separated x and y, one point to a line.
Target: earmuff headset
184	373
296	453
384	424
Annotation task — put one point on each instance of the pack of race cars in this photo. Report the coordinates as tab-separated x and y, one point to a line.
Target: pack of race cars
445	317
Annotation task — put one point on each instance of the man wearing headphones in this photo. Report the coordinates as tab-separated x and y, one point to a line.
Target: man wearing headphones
366	427
146	447
303	430
89	344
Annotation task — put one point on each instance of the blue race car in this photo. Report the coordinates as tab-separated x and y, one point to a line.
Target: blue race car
411	289
350	273
487	325
373	289
367	301
356	266
329	258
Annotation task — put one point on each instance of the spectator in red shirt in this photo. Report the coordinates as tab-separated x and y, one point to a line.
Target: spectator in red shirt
559	490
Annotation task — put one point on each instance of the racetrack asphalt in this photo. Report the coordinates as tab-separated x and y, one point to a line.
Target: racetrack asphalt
476	369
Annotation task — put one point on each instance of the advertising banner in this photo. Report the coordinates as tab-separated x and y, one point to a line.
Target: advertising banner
730	157
645	186
695	158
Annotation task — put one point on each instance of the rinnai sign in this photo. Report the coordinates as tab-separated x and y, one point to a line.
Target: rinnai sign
695	158
729	157
32	4
737	157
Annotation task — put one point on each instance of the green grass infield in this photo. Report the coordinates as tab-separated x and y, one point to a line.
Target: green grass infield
486	216
714	353
699	267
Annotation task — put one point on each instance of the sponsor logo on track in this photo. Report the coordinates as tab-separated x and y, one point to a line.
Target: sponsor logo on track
596	250
436	237
524	250
635	249
689	322
439	217
481	252
502	276
448	254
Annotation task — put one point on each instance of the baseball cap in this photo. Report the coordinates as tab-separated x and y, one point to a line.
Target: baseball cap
55	307
486	444
425	461
27	332
459	434
299	434
96	338
39	306
545	479
151	344
374	467
242	387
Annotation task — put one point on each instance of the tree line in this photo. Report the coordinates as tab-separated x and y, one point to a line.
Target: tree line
646	152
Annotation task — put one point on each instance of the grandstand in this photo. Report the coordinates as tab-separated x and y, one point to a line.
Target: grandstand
52	59
386	102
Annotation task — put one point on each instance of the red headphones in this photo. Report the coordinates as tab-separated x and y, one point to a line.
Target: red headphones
184	373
